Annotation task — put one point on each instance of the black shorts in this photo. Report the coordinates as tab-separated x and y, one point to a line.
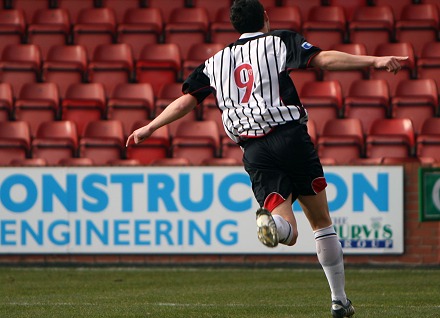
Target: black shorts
283	162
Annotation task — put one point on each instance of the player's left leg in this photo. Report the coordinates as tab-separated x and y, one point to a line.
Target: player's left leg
276	223
328	249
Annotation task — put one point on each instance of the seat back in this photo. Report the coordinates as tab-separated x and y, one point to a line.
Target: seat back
285	18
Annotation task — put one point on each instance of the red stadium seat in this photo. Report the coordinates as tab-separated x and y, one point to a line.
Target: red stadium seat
284	18
221	30
341	140
37	103
372	26
230	150
12	27
75	6
390	138
156	147
166	6
65	65
15	141
129	103
367	100
159	64
428	141
168	94
418	25
171	162
84	103
408	66
416	100
29	7
221	162
211	6
349	6
304	6
323	101
93	27
124	162
187	26
120	7
210	111
301	77
6	101
76	162
55	140
20	63
49	27
428	65
140	26
196	141
29	162
325	26
346	78
197	54
103	141
111	65
397	6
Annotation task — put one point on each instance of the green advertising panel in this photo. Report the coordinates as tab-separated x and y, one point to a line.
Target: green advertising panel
429	194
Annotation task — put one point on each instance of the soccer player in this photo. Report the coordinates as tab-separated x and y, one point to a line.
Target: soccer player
261	111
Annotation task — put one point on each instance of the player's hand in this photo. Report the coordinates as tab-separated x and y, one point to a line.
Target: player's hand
139	135
390	63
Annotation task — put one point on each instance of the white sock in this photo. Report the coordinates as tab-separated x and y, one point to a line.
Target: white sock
330	256
285	232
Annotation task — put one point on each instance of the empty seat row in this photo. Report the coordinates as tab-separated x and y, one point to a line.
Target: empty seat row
366	99
160	64
103	141
342	142
325	25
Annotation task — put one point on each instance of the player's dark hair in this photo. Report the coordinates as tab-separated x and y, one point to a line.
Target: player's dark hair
247	16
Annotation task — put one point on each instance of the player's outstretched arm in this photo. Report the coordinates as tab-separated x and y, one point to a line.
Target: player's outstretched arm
340	61
177	109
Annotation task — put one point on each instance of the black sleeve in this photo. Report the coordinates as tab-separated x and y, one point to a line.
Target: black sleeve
299	51
197	84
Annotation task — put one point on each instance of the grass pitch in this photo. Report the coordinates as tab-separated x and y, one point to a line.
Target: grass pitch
212	292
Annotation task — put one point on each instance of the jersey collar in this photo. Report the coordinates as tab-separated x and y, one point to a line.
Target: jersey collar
250	35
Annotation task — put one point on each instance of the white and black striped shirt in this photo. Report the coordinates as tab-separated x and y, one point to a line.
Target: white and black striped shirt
251	83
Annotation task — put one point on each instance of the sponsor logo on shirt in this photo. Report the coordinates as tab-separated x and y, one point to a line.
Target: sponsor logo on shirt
306	45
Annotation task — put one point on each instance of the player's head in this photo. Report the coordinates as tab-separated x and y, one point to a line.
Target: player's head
247	16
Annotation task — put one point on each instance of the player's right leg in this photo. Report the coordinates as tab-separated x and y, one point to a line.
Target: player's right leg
328	249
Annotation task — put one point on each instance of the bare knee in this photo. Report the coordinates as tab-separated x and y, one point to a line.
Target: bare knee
294	238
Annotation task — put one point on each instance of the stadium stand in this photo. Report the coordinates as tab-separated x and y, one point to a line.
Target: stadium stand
111	65
29	162
367	101
65	65
323	100
140	26
415	99
49	27
103	141
129	102
341	140
15	141
12	27
52	49
54	141
390	138
196	141
154	148
37	103
6	101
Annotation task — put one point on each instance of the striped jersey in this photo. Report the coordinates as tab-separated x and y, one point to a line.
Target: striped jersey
251	83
